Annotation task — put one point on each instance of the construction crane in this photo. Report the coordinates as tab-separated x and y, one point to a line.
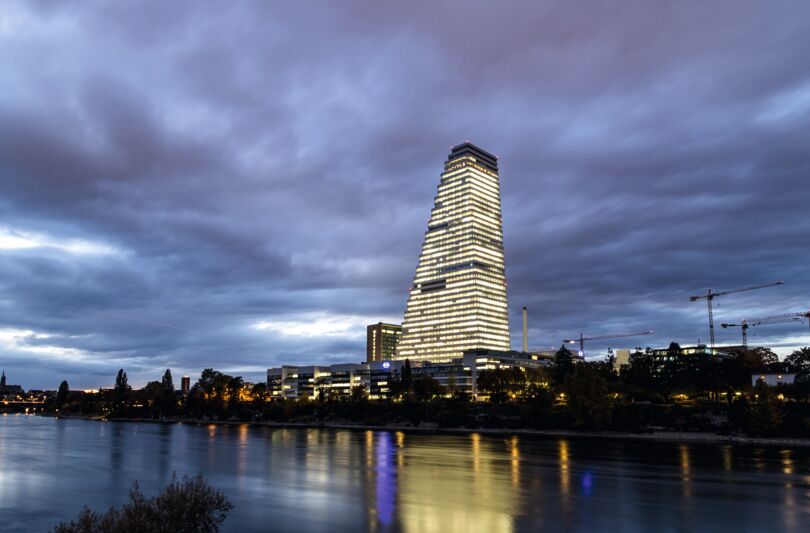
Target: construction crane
581	340
775	319
710	296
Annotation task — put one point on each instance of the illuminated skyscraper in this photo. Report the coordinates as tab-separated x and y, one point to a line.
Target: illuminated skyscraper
458	298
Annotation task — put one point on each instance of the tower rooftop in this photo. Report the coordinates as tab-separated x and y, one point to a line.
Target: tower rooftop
469	149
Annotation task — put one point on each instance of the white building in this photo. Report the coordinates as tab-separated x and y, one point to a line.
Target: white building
773	379
458	298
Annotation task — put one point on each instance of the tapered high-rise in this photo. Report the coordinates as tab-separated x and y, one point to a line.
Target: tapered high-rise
458	298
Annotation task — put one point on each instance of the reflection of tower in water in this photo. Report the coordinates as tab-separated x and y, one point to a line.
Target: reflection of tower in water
472	491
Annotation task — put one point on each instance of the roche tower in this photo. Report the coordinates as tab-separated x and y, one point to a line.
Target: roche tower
458	298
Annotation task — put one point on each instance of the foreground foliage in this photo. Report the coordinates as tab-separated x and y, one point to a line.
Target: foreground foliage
187	506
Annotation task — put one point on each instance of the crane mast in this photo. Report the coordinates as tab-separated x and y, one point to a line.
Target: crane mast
775	319
710	296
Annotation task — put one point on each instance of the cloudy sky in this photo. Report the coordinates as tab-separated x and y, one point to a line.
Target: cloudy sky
240	185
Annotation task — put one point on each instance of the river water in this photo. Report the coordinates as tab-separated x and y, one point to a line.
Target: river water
300	480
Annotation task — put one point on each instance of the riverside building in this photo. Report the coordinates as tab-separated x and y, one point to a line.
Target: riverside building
458	298
337	381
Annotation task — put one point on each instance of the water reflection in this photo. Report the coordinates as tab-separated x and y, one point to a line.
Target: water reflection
444	488
292	480
565	471
514	452
386	480
683	453
727	458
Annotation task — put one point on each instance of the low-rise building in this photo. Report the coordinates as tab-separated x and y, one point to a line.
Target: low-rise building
620	357
378	377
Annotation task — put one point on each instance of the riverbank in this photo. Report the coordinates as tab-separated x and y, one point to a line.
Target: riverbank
655	436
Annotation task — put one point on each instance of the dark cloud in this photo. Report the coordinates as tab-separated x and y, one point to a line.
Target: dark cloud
239	187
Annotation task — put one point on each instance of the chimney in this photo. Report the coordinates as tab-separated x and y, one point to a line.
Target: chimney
525	330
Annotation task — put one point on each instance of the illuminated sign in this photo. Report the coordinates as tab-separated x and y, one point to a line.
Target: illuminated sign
386	364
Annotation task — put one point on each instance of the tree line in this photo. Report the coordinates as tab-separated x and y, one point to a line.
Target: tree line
695	392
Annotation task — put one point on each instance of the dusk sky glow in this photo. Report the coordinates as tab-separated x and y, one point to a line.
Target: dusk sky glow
248	185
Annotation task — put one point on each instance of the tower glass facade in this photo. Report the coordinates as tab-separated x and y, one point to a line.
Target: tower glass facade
458	298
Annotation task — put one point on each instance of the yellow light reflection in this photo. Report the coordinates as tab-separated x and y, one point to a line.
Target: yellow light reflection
683	450
476	454
455	497
727	459
565	472
400	449
514	452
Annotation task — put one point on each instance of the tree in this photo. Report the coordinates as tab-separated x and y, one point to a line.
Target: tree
764	416
640	375
587	397
407	378
759	359
167	384
207	380
212	387
799	361
674	350
358	394
120	392
396	389
426	388
62	394
168	397
183	507
121	384
234	388
502	383
150	395
563	365
259	394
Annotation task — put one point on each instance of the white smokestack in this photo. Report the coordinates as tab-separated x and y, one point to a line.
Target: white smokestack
525	330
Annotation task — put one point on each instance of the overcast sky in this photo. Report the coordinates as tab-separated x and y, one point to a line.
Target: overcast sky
239	185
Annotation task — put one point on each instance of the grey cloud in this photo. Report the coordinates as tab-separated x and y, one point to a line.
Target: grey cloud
268	161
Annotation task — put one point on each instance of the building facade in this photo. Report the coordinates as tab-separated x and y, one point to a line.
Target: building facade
381	341
773	379
376	378
458	298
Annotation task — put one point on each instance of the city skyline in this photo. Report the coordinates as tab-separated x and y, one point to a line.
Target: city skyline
216	191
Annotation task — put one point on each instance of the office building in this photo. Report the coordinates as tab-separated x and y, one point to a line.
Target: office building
381	341
376	378
458	298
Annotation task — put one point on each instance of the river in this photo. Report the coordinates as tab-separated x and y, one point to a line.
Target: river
301	480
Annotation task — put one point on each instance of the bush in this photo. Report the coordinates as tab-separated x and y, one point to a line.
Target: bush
183	507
